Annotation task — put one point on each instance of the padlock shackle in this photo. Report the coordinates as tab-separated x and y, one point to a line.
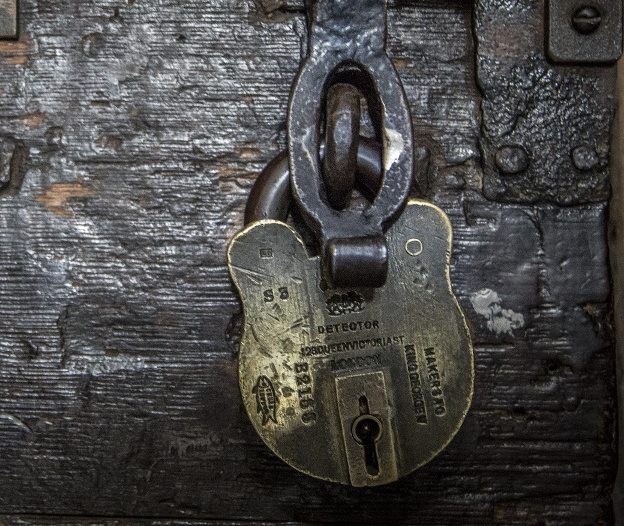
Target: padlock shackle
271	195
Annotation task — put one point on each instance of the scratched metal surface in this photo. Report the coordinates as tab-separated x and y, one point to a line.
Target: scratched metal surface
131	132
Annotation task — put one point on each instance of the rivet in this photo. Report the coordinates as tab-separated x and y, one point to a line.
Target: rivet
512	159
584	158
586	20
414	247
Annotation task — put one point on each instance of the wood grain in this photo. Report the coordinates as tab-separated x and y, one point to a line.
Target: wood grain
132	132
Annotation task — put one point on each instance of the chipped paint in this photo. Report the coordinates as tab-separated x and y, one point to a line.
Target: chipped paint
56	198
487	303
24	45
15	51
33	120
393	147
16	60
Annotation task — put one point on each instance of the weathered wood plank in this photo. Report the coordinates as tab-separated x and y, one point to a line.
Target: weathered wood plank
143	126
38	520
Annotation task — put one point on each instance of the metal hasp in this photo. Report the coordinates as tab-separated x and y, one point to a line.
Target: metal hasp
585	32
8	19
343	37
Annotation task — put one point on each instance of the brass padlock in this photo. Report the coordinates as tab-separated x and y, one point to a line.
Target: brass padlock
320	367
358	380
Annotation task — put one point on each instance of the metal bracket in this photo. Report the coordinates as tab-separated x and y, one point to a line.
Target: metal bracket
8	19
342	36
585	31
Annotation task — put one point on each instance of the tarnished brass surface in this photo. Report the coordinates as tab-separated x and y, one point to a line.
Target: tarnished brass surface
358	386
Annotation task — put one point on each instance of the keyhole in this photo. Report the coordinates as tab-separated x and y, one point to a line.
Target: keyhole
366	430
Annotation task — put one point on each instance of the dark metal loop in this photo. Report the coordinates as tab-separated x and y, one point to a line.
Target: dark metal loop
342	133
339	35
271	196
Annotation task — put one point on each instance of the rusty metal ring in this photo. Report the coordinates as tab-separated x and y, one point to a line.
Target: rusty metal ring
271	196
342	134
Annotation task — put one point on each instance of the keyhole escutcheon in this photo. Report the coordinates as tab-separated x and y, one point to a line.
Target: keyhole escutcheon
367	430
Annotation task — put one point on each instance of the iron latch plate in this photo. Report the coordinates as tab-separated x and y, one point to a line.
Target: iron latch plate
602	44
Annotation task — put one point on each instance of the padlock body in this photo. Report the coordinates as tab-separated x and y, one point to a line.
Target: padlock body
361	385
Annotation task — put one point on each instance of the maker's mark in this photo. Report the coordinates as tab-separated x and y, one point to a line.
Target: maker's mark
266	399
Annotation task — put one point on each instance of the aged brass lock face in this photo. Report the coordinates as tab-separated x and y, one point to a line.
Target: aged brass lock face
359	385
355	365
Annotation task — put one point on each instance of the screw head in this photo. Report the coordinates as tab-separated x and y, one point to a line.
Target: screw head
586	20
511	159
